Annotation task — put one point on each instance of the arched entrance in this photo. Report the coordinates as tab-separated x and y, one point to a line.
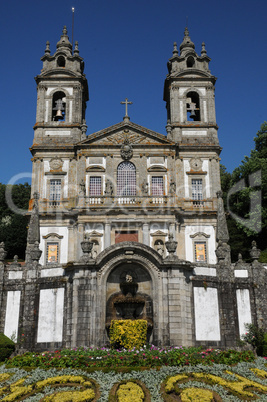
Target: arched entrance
129	295
142	263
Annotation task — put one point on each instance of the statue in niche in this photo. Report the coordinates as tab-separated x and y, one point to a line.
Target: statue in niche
82	188
109	188
159	247
144	188
95	249
129	278
172	187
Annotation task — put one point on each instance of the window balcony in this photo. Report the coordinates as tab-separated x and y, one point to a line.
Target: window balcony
126	200
207	204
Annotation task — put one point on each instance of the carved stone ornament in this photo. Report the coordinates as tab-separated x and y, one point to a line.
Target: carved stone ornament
254	252
171	245
196	164
86	246
56	164
126	150
3	252
36	252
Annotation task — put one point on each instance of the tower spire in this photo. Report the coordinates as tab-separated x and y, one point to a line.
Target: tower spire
64	43
187	44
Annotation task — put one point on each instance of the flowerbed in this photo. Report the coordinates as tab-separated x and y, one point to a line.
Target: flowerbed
218	382
86	358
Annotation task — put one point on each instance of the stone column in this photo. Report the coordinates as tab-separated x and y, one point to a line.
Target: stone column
71	244
107	240
80	235
146	234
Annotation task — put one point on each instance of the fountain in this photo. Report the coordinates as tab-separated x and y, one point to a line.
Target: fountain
129	304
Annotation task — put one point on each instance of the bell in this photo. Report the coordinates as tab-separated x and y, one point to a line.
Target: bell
193	114
59	114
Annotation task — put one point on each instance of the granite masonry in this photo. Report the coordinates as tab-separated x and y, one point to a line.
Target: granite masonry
126	222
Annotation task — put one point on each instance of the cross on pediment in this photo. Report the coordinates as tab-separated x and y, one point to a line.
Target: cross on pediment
126	103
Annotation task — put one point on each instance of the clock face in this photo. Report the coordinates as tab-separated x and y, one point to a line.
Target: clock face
196	164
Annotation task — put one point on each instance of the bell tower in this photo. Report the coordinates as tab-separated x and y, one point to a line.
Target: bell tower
189	95
62	92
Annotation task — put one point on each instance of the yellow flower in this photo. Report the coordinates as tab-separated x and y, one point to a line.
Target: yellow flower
130	392
62	379
196	394
259	373
4	376
71	396
172	380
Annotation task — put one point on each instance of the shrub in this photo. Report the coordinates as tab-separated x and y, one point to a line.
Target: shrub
7	347
255	337
262	348
128	333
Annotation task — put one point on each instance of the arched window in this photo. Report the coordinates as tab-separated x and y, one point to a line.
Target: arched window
126	179
59	106
61	61
192	106
190	62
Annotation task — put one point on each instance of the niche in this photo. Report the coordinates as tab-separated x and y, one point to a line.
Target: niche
192	106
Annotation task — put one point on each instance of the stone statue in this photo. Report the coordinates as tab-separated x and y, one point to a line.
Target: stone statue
144	188
172	187
109	188
129	278
160	249
82	188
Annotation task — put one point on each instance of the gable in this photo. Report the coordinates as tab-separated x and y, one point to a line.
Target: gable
115	135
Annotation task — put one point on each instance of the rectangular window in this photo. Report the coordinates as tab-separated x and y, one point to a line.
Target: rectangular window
52	253
200	251
157	186
55	190
95	186
197	189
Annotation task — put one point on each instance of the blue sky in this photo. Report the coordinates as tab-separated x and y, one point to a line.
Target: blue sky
126	45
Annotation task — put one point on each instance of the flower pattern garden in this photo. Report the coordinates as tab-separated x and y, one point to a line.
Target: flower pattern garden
144	374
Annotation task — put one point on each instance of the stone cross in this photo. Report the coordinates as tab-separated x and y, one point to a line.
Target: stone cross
126	103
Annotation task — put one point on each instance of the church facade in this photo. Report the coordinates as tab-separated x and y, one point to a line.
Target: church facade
128	223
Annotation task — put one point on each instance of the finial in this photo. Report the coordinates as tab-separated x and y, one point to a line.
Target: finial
84	129
203	50
186	32
168	127
76	48
64	40
186	43
254	252
3	252
175	50
47	49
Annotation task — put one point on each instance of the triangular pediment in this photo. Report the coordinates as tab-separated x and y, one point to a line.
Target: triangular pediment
115	135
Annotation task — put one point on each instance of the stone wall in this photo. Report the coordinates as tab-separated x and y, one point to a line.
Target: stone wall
47	308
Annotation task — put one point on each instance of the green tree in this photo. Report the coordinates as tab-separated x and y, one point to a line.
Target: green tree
247	198
238	242
13	225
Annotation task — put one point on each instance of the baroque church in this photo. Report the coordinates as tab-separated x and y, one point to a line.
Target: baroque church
127	223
